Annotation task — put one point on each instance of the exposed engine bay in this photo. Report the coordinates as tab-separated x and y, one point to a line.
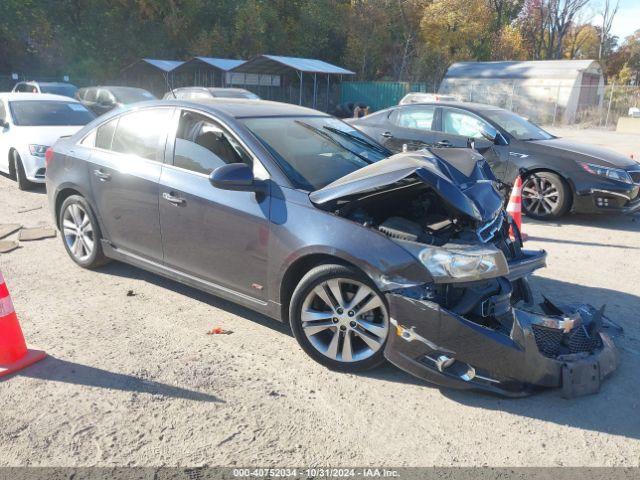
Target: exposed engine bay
474	325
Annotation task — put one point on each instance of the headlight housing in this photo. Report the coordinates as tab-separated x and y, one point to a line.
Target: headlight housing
606	172
463	264
37	150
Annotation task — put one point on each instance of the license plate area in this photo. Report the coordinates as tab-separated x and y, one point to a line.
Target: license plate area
581	377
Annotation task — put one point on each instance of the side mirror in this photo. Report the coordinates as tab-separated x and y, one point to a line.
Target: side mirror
3	123
492	135
234	176
489	133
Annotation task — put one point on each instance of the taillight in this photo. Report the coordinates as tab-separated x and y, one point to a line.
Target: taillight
48	157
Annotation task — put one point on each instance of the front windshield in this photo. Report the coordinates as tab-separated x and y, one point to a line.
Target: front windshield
49	113
315	151
64	90
517	126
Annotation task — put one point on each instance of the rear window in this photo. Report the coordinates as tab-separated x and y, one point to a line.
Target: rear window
65	90
132	95
49	113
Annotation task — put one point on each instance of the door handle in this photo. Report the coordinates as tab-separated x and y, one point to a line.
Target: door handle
102	175
173	199
444	143
386	135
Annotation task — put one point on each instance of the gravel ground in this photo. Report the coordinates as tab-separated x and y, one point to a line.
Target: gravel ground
132	377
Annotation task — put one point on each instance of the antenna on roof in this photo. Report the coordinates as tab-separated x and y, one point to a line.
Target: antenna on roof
166	81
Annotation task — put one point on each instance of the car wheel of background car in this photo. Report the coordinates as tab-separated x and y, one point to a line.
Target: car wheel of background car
81	233
21	176
545	195
340	318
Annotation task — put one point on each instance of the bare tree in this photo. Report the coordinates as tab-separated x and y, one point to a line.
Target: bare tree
608	13
562	14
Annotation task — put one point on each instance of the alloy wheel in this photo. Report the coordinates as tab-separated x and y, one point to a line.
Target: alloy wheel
345	320
540	196
78	232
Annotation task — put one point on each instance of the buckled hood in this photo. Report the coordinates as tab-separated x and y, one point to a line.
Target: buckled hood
460	177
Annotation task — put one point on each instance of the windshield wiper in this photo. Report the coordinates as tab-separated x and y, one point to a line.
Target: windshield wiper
361	141
326	136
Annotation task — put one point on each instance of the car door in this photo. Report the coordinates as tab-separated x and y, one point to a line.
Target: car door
220	236
458	127
410	125
125	170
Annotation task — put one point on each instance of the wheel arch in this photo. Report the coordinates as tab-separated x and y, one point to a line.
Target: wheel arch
298	269
11	162
64	192
565	178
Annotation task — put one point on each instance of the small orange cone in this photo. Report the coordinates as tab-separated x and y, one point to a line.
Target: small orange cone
514	207
14	354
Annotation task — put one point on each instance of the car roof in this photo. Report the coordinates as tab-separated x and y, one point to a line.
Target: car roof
478	107
35	82
9	96
242	108
113	87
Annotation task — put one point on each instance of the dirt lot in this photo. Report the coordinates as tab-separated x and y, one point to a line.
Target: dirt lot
133	378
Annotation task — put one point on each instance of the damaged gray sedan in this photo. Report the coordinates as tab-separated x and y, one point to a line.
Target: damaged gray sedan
297	215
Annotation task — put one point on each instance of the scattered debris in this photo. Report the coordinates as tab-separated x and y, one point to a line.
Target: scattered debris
7	246
219	331
36	233
131	293
29	209
9	228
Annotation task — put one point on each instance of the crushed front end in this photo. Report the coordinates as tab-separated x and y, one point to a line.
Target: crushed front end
487	344
470	326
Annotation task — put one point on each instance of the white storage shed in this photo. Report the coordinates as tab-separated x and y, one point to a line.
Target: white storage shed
546	91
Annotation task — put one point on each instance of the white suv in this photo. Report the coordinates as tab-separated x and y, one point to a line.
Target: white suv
29	124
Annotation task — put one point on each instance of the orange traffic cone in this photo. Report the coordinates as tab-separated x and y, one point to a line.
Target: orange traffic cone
514	207
14	354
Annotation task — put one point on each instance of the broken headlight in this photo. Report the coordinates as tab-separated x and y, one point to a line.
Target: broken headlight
463	264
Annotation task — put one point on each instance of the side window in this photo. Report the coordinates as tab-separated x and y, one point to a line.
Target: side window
90	95
202	145
142	133
105	97
419	118
3	111
461	123
101	137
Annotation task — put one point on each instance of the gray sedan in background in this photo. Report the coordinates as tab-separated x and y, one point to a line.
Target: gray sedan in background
297	215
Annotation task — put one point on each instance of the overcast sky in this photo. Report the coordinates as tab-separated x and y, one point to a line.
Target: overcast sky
626	21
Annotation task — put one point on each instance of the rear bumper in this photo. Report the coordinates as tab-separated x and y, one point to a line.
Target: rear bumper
446	349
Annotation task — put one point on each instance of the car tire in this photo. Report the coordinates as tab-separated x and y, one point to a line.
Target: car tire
81	232
21	177
342	336
545	196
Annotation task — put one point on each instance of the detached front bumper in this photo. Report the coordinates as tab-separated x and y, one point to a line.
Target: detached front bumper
484	343
446	349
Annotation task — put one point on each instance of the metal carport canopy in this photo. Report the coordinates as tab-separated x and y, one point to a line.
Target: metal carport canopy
276	65
164	65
